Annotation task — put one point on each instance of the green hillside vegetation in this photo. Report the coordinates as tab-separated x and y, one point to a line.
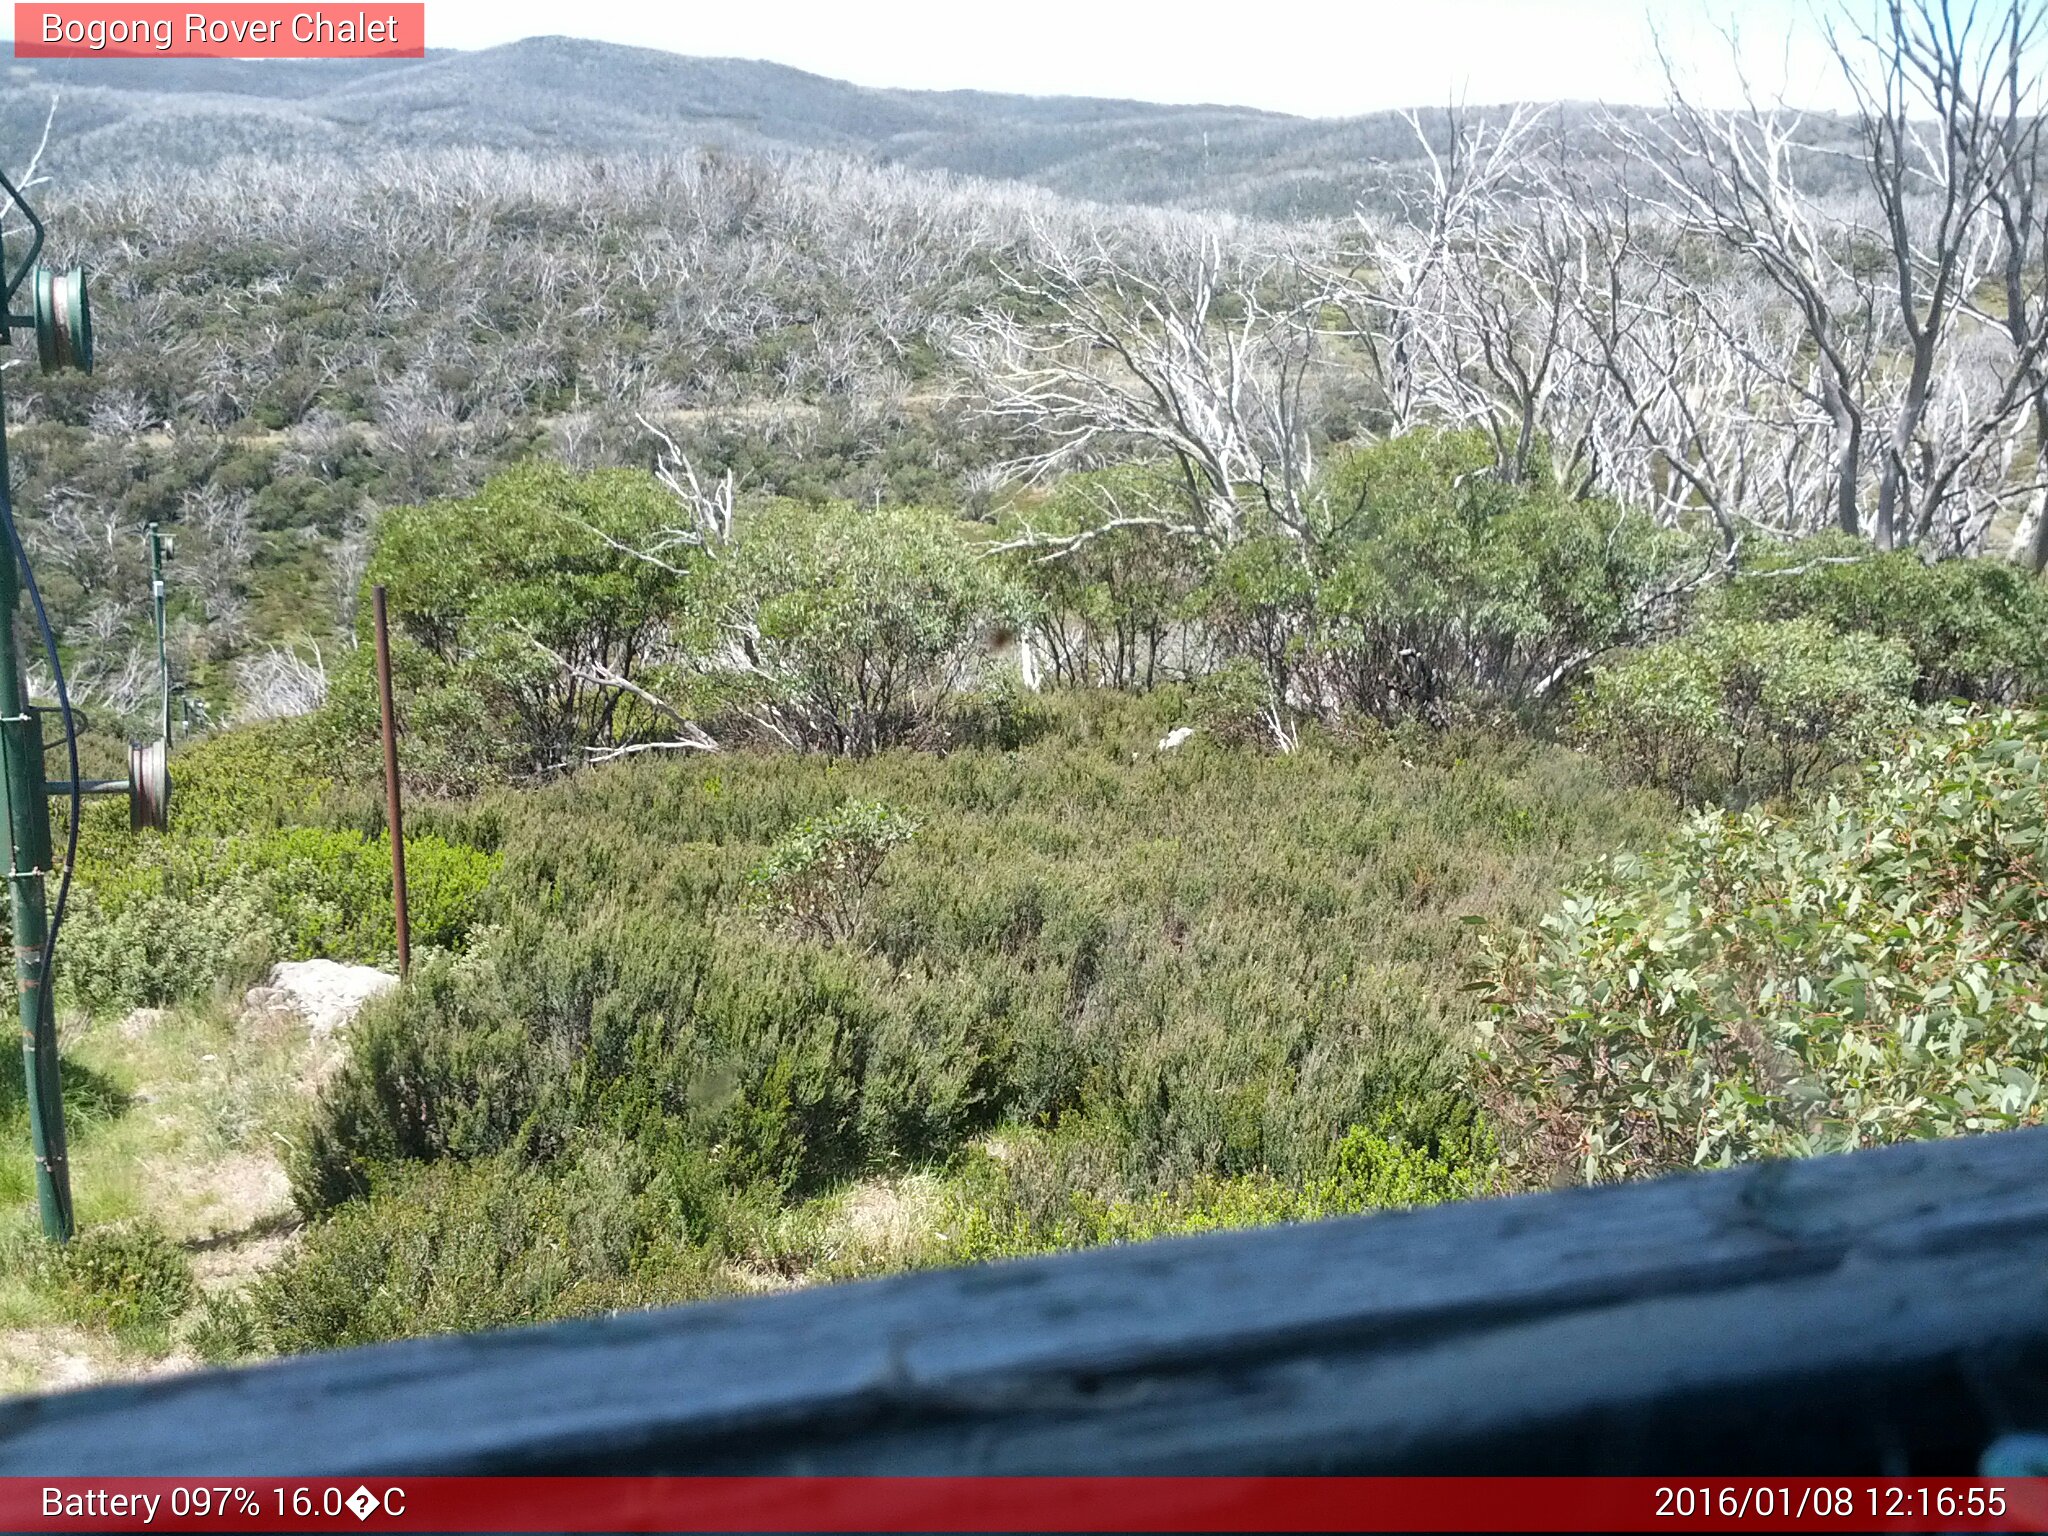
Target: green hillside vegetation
1077	990
772	931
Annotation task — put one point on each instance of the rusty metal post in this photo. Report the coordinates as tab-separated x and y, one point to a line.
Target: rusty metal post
397	824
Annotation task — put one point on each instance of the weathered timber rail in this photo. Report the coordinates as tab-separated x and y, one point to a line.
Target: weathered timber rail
1881	1312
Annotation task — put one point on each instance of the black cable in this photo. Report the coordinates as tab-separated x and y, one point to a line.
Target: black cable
35	597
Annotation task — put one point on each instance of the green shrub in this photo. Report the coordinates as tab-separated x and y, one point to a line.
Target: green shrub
818	878
227	1329
861	623
459	1247
1429	588
331	892
1000	715
977	1233
1234	704
506	606
123	1276
1111	610
183	914
240	880
529	636
1052	1193
149	947
1263	603
1743	711
1441	586
1870	971
1373	1170
1976	628
407	1093
246	780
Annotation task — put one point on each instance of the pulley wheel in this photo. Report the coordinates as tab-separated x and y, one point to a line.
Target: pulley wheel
63	320
149	787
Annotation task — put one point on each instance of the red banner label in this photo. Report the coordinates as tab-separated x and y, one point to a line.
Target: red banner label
970	1504
235	31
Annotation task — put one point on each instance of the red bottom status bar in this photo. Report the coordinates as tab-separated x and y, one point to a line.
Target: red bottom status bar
974	1504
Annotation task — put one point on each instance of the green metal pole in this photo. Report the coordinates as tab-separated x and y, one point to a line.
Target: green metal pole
163	654
28	861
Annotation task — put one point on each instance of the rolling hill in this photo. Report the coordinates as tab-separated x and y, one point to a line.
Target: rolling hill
559	93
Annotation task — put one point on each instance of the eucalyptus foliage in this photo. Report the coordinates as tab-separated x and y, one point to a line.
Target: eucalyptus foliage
1434	589
520	629
1869	971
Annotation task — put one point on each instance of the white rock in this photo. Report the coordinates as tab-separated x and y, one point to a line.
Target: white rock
142	1023
1175	737
325	993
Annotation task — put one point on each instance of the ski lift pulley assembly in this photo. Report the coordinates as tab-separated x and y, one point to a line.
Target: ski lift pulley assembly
149	786
63	321
59	313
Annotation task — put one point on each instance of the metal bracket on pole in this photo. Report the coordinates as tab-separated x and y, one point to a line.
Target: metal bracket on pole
161	548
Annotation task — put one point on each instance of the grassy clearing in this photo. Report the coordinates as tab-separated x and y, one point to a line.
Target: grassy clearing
179	1120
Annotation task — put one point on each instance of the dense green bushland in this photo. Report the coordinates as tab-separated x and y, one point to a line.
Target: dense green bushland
457	1246
1443	589
506	606
1976	629
1870	969
1113	608
871	955
1805	660
553	618
849	629
1053	1192
1157	984
1426	586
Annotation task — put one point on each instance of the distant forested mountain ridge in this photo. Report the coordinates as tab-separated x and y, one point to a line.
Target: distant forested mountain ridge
567	94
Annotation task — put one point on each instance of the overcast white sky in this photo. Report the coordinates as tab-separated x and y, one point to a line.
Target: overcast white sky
1315	57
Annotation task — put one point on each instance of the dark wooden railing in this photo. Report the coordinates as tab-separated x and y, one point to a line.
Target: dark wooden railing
1881	1312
